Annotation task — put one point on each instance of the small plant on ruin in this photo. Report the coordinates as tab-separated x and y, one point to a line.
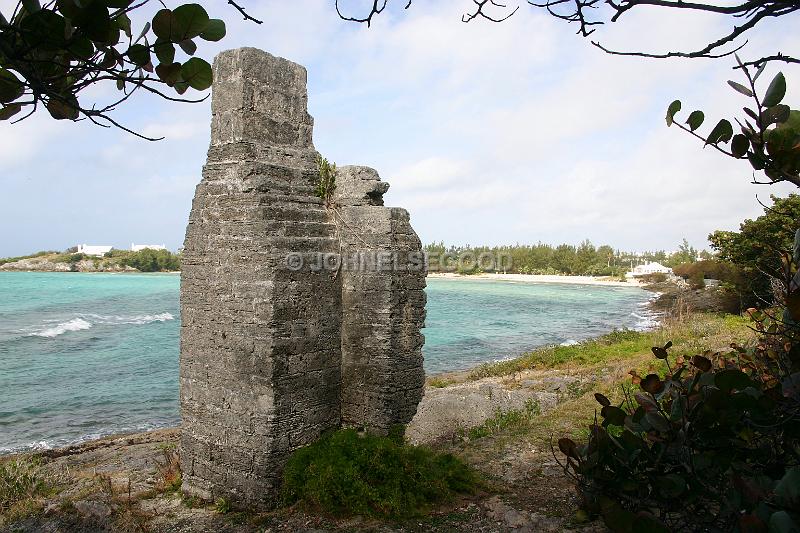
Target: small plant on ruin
711	444
327	181
347	473
169	468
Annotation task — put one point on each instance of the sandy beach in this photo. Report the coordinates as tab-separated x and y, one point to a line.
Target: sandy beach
532	278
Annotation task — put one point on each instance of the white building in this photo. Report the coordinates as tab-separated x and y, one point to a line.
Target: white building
97	251
649	268
140	247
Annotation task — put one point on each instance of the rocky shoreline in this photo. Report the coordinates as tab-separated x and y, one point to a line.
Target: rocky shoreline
39	264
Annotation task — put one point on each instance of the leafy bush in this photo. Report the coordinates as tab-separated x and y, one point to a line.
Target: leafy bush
326	185
656	277
69	258
149	260
346	473
713	445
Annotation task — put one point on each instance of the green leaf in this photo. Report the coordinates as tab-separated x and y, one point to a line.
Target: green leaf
776	91
671	485
10	86
673	108
197	74
738	87
31	6
63	109
739	145
139	55
781	522
45	28
124	24
94	22
728	380
165	51
613	415
188	46
190	21
568	448
695	120
722	132
118	4
652	384
163	23
9	111
775	115
787	491
169	73
601	399
659	352
214	31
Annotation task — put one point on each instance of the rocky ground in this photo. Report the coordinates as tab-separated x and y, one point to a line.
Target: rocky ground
45	264
503	426
126	483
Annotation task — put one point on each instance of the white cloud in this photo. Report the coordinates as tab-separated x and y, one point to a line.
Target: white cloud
512	132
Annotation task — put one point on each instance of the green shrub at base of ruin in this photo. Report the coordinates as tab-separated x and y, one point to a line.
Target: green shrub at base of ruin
347	473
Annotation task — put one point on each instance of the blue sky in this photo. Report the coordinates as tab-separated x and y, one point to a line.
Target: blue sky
488	133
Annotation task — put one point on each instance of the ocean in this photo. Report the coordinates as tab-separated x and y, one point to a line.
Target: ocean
88	355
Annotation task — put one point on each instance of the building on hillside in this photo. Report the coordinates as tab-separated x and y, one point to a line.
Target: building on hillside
140	247
97	251
649	268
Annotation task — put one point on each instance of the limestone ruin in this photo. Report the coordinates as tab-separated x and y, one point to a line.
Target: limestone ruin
297	318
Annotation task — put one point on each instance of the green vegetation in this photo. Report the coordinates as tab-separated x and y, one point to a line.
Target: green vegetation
733	414
506	421
346	473
5	260
52	51
760	248
693	334
770	143
564	259
23	482
326	185
146	260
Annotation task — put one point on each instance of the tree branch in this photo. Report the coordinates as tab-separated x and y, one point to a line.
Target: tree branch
244	13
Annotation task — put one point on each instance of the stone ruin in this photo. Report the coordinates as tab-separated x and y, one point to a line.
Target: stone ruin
297	317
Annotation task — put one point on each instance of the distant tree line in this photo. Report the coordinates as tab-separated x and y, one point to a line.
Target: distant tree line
585	259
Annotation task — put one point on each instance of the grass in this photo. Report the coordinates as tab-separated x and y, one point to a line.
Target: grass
690	335
347	473
506	421
24	483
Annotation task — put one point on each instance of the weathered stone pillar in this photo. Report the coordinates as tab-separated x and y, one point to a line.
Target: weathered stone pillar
383	305
273	350
260	365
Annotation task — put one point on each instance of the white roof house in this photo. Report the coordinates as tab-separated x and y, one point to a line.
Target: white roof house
97	251
649	268
140	247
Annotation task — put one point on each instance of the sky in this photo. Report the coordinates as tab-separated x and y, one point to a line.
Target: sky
507	133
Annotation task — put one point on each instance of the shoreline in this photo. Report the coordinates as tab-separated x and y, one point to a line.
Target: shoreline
540	278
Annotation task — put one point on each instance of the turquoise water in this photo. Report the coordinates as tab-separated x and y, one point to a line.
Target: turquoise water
86	355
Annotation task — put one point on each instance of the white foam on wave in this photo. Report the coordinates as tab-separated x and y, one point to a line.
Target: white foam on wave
76	324
134	319
71	441
86	321
570	342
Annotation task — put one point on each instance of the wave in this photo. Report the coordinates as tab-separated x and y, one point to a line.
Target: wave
87	321
76	324
570	342
62	442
